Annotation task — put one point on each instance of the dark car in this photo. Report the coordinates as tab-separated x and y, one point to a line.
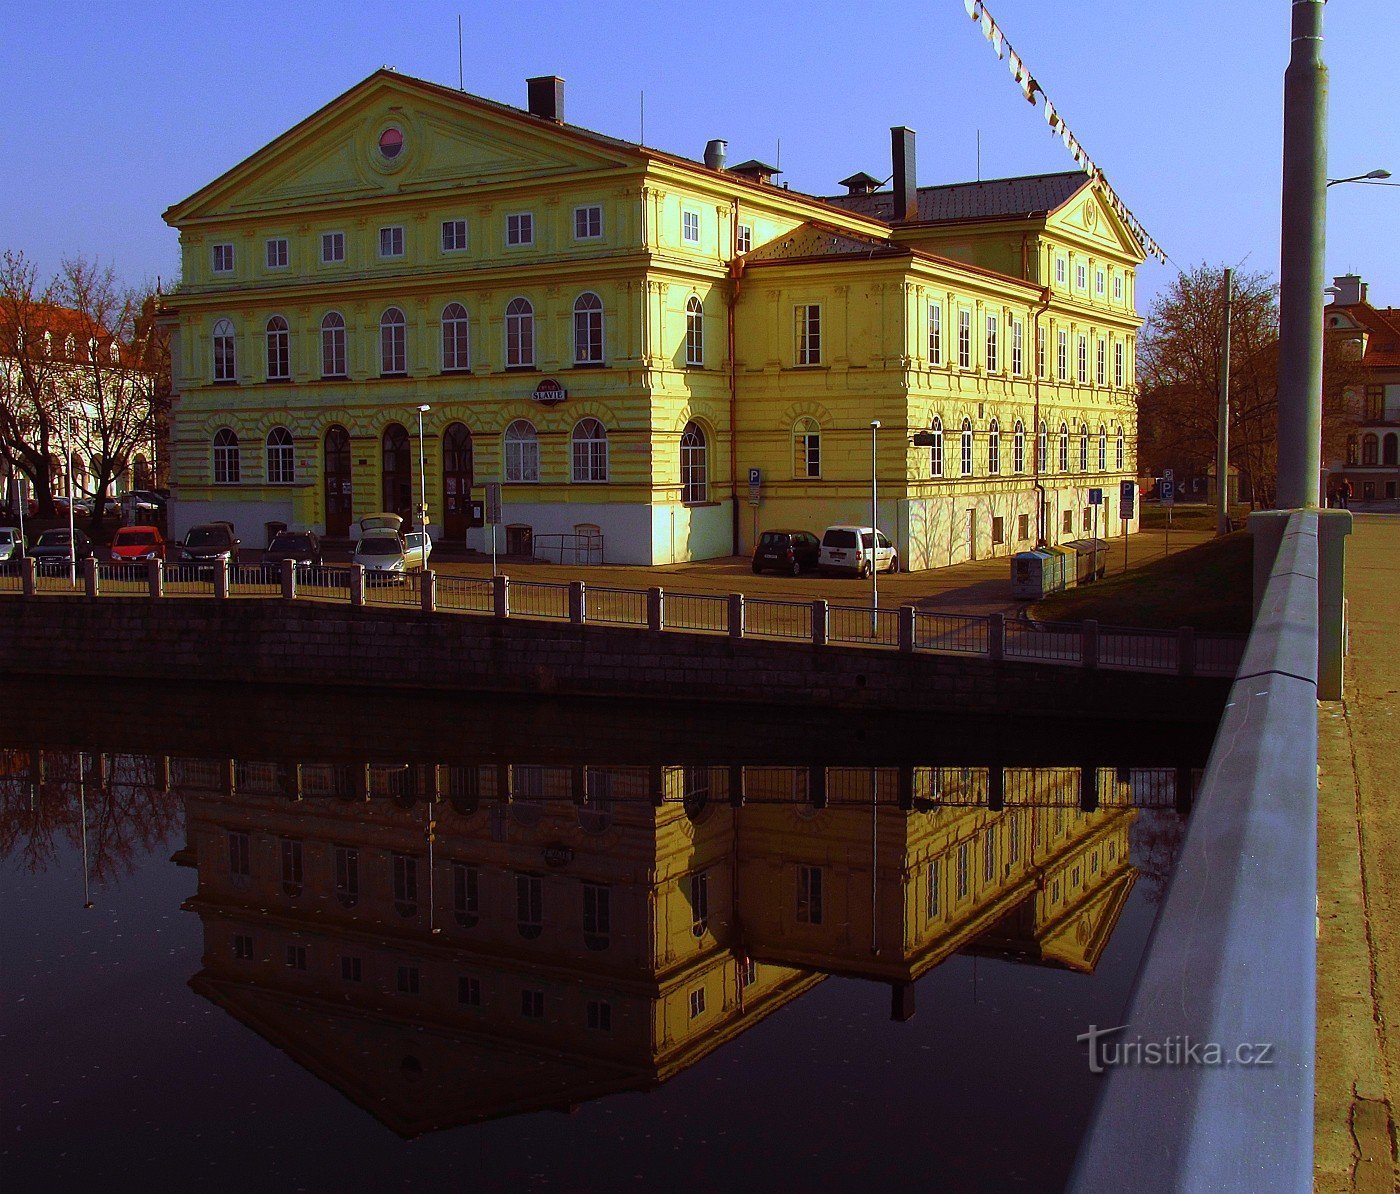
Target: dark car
52	550
304	547
794	552
210	541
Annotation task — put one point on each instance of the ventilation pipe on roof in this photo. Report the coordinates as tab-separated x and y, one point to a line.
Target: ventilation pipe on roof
906	185
714	153
1350	290
545	97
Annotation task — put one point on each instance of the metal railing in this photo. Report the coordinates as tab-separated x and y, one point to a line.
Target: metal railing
964	634
255	580
568	549
1060	641
124	579
617	607
462	594
392	588
696	611
764	618
326	583
863	625
536	599
190	580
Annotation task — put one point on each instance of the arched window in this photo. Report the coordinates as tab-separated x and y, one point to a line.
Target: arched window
1389	447
520	334
279	353
281	463
396	472
1042	448
226	470
393	343
1018	448
1064	448
588	329
333	345
456	338
695	465
694	331
1370	448
141	472
522	452
1083	447
1353	449
994	448
935	451
967	447
1103	448
1119	454
806	448
456	479
590	441
225	354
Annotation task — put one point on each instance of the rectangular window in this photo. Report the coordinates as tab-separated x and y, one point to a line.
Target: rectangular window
408	980
466	904
1082	359
529	905
588	222
1081	277
1062	356
520	229
468	991
1101	362
405	880
347	874
809	895
998	531
532	1005
690	227
597	915
697	1002
243	947
296	957
964	339
454	236
935	333
1117	288
332	247
1018	352
963	870
1060	275
1118	364
599	1015
989	855
699	903
1099	283
991	344
351	970
1023	526
809	334
1069	522
744	239
748	972
391	241
933	903
223	259
1013	839
291	865
239	865
1040	352
277	253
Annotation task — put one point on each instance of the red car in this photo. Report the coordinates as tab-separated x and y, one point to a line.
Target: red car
137	543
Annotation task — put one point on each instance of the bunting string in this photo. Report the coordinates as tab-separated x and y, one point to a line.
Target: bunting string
977	10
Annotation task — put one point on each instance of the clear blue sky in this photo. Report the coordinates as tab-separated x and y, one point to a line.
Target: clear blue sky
119	110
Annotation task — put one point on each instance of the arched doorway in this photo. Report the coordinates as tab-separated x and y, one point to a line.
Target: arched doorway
456	480
397	474
337	481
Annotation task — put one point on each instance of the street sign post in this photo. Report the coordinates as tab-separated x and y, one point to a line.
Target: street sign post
1168	491
1127	499
1095	501
493	516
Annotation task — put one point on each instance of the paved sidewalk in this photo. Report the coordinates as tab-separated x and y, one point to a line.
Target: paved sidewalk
1358	1002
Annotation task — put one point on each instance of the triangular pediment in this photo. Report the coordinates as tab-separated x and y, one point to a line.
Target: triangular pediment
449	140
1089	219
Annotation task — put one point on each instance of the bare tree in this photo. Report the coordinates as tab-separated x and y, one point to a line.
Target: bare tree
28	370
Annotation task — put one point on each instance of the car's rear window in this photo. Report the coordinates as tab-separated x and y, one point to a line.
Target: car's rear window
135	538
379	545
291	543
839	539
53	539
207	537
774	539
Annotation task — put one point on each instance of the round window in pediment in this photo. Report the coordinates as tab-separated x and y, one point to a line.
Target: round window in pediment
391	143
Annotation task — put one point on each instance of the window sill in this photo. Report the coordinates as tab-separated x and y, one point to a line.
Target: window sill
392	376
463	372
521	369
700	505
589	365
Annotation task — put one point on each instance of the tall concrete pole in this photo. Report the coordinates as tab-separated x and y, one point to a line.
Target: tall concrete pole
1301	262
1222	432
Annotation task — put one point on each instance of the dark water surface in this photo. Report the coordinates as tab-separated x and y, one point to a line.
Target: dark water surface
357	942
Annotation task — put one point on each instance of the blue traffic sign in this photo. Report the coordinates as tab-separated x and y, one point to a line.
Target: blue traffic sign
1096	497
1168	492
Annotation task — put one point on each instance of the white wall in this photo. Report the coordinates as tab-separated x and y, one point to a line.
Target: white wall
248	517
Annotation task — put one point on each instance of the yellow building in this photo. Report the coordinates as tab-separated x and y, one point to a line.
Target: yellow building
671	354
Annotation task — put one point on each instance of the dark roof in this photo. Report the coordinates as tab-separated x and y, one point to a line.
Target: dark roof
860	179
822	240
1382	325
995	199
754	164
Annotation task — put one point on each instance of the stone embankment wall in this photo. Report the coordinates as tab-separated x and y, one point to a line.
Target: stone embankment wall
280	642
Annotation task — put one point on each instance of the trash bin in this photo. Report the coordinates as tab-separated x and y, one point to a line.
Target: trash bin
1068	567
1031	575
1092	563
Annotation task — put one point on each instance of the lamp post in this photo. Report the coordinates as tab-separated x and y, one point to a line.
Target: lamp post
874	532
1222	433
422	477
1370	176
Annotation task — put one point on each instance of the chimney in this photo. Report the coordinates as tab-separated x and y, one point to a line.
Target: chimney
906	185
1350	290
714	154
546	97
860	184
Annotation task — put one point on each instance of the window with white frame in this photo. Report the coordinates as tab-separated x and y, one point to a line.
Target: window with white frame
590	455
695	465
588	329
227	468
806	448
809	895
520	229
278	252
935	333
1064	447
964	339
1018	354
332	247
454	236
966	453
456	338
1119	450
1084	447
223	258
1118	364
990	345
1018	448
1062	355
994	448
694	331
281	457
1082	359
744	238
1040	351
1099	288
1061	274
391	241
809	334
1103	448
1117	287
697	1003
690	227
393	343
935	451
333	345
225	352
522	453
1042	448
279	356
588	222
520	334
1081	276
1101	362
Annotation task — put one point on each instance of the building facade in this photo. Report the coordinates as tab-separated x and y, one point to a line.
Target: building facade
672	356
1372	461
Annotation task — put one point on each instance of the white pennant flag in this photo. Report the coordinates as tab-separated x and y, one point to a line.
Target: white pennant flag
1049	112
973	8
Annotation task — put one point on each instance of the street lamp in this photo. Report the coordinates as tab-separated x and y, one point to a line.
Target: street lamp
1372	176
874	532
422	477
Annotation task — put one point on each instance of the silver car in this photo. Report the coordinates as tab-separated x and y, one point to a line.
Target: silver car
11	544
385	552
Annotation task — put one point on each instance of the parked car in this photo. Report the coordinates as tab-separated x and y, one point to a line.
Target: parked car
11	545
210	541
787	551
146	499
81	509
857	549
53	549
137	543
303	547
385	552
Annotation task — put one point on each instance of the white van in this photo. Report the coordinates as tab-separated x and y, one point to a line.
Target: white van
856	549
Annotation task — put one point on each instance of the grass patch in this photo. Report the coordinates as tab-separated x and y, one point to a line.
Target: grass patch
1187	516
1208	587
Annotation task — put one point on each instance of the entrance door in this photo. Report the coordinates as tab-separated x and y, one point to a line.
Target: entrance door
456	481
337	480
397	474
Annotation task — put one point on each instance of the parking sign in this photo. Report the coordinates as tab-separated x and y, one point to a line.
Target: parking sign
1168	491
